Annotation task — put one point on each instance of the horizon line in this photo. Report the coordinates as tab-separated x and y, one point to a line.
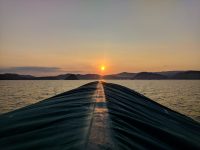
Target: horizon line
97	73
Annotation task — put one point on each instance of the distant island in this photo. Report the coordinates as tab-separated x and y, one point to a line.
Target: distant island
165	75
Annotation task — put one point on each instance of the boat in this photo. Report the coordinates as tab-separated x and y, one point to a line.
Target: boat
98	116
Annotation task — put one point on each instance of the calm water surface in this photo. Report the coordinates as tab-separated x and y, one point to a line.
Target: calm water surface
180	95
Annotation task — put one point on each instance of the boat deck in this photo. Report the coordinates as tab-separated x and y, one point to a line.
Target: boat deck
99	136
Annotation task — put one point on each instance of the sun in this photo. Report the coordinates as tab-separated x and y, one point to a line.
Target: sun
103	68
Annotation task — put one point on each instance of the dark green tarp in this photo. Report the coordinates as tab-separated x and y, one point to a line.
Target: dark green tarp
63	122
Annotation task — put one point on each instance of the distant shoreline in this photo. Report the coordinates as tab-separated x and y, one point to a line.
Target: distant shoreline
167	75
100	79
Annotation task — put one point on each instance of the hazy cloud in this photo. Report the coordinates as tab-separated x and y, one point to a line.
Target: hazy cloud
38	71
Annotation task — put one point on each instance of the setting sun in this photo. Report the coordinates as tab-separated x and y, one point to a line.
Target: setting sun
102	68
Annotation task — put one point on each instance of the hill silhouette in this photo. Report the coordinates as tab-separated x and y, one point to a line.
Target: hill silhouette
166	75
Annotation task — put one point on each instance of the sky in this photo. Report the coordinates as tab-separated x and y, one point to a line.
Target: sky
48	37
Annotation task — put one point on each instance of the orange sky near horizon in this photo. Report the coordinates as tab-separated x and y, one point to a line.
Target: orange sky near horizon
132	59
